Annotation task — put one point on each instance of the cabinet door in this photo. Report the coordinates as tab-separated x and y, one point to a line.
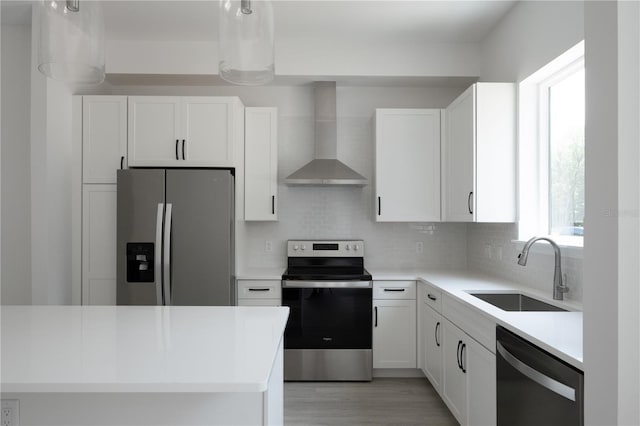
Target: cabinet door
480	364
458	156
155	138
99	245
104	137
495	152
454	380
206	138
394	334
432	350
407	165
261	164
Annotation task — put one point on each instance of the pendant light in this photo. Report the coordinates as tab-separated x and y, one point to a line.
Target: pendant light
71	45
246	42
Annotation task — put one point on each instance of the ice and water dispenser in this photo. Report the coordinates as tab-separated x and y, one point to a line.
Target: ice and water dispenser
140	262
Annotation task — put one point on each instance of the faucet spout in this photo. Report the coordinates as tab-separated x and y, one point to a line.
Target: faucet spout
558	285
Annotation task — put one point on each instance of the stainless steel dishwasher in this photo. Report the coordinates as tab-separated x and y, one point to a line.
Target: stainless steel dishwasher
534	387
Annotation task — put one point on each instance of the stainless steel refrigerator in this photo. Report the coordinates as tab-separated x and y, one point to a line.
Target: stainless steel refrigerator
175	237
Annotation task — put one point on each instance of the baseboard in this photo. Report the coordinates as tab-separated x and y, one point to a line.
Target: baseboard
397	372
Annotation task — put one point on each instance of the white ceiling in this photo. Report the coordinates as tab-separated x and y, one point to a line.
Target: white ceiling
418	20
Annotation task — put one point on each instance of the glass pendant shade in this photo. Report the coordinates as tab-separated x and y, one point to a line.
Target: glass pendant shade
71	45
246	42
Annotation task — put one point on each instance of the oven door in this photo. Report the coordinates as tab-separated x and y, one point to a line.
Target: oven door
328	315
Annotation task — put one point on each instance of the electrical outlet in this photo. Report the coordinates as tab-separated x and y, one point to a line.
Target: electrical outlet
268	246
10	412
419	247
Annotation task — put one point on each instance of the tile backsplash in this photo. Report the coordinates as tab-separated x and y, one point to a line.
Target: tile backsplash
491	249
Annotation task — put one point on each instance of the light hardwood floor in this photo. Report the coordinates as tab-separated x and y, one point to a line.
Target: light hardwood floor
381	402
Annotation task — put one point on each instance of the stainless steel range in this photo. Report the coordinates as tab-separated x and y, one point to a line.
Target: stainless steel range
329	294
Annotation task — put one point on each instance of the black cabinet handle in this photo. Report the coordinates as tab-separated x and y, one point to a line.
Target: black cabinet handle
394	289
432	297
379	206
436	333
183	142
273	204
259	289
177	156
463	351
375	309
122	162
458	354
469	202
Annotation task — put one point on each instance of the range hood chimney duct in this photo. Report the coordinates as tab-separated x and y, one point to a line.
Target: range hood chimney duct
325	169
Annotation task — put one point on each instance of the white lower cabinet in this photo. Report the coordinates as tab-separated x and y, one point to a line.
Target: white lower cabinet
454	383
394	324
99	244
432	349
259	293
469	378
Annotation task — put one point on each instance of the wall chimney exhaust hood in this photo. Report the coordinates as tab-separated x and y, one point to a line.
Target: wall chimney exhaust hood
325	169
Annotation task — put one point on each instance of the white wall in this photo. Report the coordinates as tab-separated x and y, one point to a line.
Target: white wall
527	38
629	207
530	35
301	57
16	181
333	212
50	186
601	217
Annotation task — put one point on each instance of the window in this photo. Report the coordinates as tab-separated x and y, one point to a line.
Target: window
552	122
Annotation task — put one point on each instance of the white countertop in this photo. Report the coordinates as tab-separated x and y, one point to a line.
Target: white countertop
139	348
559	333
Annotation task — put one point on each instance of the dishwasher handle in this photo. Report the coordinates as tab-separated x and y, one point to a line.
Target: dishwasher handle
533	374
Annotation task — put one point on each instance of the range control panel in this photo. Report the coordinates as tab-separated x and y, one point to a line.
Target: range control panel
345	248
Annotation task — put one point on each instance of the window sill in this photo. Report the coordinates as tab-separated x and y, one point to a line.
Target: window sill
571	247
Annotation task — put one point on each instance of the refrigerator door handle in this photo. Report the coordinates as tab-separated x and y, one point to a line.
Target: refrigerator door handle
167	256
158	254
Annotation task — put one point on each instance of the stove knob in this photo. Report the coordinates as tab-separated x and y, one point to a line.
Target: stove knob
348	247
303	247
295	247
356	247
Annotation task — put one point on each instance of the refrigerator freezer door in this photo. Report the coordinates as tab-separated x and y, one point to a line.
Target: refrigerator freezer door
140	203
201	236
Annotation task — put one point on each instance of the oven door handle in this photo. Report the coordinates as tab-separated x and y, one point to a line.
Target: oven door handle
327	284
533	374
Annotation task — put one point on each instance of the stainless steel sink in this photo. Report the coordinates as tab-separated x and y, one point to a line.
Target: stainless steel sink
516	302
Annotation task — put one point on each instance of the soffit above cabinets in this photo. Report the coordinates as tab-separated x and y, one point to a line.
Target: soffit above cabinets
418	20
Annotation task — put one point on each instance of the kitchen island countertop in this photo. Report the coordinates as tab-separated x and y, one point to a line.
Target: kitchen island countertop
139	348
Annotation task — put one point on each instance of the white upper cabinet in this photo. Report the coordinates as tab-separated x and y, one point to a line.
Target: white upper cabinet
104	137
167	131
261	164
479	155
407	165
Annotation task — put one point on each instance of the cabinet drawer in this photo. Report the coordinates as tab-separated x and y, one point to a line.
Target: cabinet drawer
431	295
394	289
259	289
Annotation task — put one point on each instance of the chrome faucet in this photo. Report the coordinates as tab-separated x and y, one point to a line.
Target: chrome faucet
558	285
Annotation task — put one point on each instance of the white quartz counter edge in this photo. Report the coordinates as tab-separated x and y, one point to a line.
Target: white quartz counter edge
100	349
559	333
